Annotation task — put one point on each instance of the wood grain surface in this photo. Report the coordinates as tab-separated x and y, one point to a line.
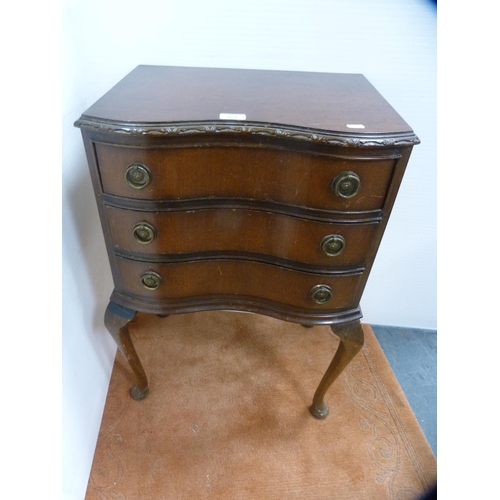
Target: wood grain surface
327	101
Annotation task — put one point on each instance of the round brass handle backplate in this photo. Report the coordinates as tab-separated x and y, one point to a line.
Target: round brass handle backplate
138	175
321	294
151	280
346	184
333	245
144	233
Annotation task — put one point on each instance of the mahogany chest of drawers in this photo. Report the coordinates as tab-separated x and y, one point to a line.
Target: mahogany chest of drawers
259	191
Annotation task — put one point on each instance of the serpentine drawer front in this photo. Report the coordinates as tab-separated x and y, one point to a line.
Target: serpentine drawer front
317	244
295	178
259	191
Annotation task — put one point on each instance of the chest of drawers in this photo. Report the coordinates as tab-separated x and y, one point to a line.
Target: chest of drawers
258	191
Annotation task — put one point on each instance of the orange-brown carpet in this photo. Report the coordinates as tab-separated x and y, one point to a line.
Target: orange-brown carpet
227	417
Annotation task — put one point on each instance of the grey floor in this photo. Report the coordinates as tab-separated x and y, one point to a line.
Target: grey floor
412	354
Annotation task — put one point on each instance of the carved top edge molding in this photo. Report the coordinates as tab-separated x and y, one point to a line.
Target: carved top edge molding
248	128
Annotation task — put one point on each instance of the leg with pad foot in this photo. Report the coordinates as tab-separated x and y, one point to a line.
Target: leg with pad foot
351	340
116	320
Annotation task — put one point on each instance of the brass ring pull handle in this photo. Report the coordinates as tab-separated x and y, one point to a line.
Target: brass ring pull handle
321	294
144	233
346	184
333	245
138	175
151	280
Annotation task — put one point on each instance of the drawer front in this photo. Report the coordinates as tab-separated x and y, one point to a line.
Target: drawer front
241	230
296	178
236	279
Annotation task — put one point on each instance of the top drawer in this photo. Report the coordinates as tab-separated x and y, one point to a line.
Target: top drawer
290	177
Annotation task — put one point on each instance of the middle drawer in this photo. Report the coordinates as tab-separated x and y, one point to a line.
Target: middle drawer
225	230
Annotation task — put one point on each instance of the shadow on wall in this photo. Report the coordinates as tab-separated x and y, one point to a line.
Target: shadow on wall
83	242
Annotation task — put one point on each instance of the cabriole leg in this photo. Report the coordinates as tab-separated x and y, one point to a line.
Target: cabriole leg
351	340
116	320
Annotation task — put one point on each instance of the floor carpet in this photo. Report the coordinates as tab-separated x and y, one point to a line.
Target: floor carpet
227	417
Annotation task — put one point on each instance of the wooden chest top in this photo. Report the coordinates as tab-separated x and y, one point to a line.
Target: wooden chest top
343	103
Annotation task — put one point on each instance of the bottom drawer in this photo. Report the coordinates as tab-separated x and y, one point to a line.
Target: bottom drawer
169	282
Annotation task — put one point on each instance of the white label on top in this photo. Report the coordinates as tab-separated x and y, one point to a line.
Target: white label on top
355	125
232	116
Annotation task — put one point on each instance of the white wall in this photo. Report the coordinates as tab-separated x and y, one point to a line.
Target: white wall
392	42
